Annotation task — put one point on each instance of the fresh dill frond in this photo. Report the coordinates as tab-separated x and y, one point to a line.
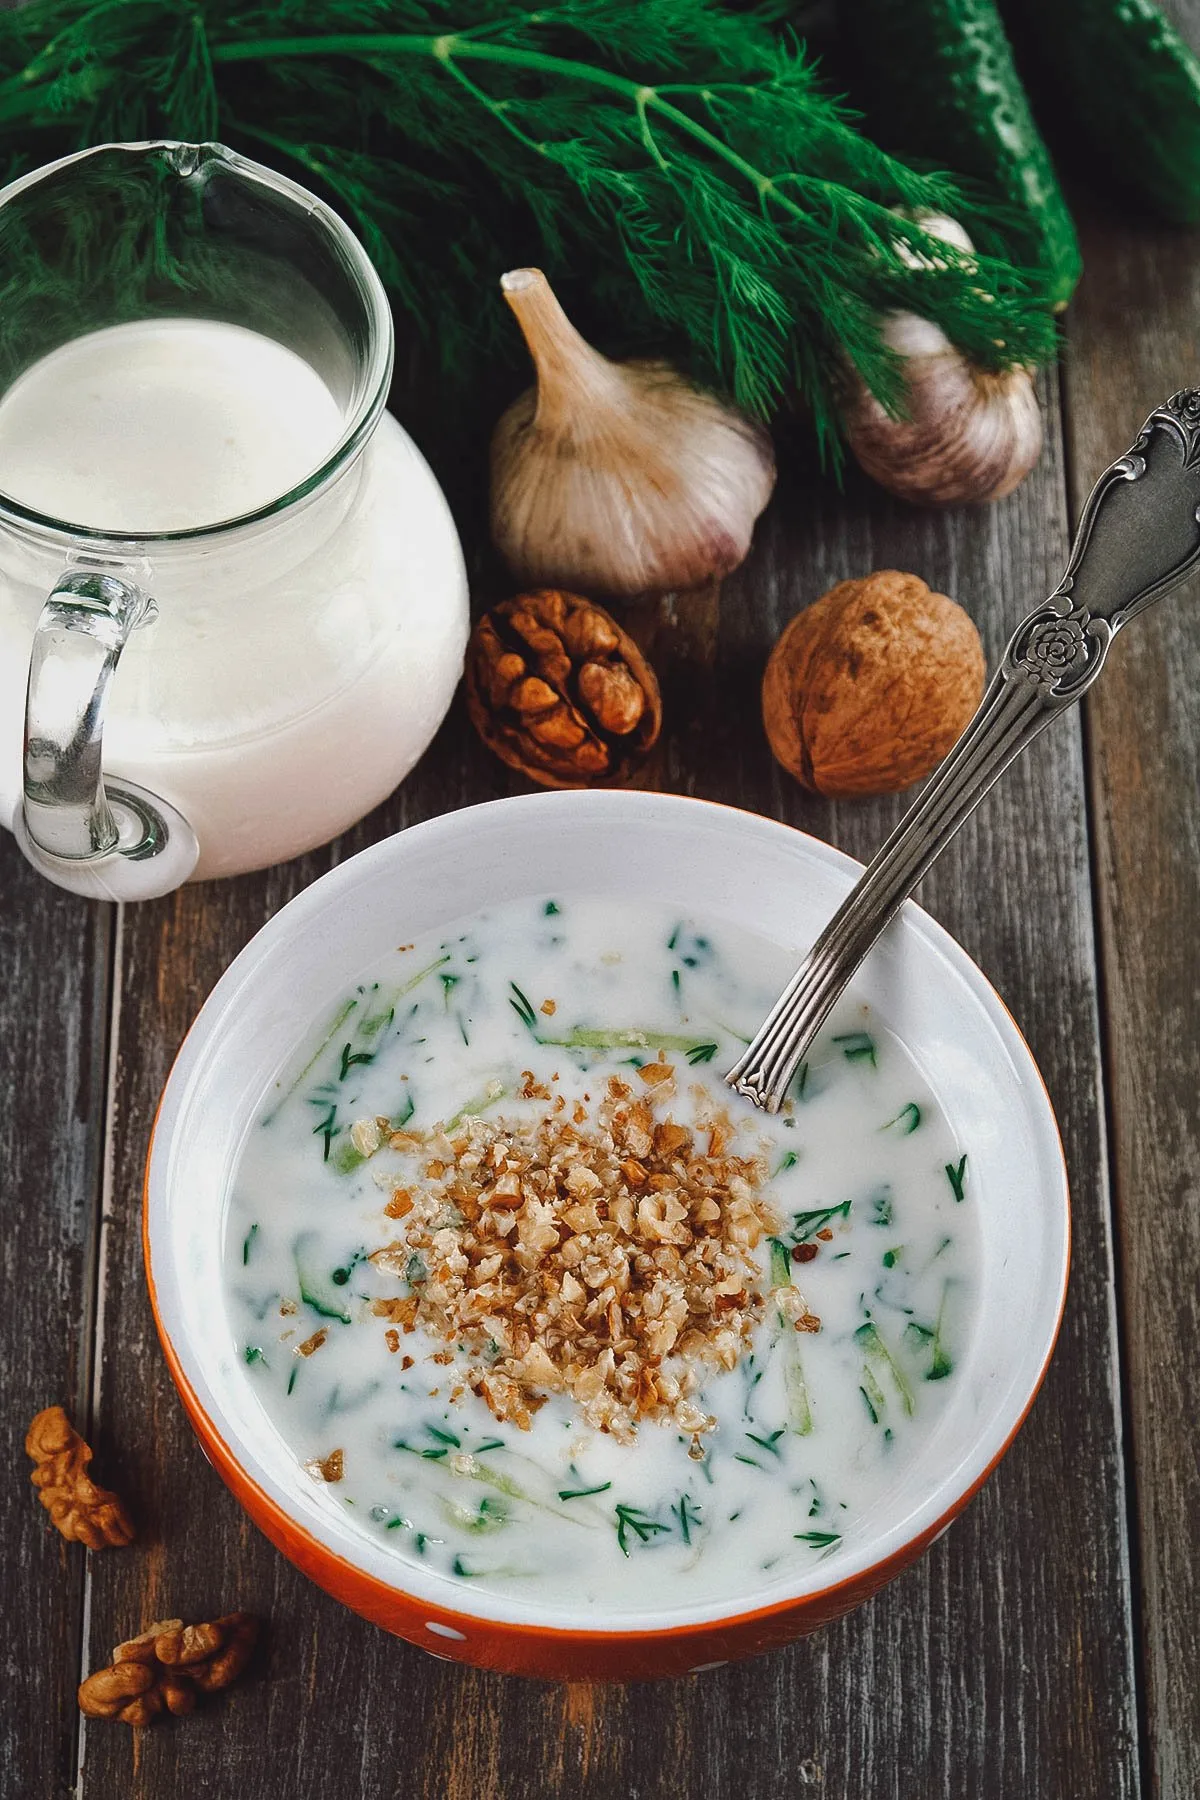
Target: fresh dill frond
677	169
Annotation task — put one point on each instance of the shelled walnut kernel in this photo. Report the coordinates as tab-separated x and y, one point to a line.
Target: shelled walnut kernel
168	1667
560	692
83	1511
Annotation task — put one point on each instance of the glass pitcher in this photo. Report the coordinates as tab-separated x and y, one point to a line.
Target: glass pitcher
197	468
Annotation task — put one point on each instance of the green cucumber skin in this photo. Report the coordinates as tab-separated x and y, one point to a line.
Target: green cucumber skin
1122	80
937	81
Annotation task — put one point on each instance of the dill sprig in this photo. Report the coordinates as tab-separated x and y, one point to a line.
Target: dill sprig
676	165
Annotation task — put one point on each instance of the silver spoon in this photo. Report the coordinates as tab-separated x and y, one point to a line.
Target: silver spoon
1139	536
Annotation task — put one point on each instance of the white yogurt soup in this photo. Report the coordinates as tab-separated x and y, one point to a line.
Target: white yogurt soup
544	1308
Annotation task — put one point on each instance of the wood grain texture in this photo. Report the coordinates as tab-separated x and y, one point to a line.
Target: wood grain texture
1000	1666
1132	342
54	956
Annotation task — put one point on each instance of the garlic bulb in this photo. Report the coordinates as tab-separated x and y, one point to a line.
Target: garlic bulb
968	435
618	478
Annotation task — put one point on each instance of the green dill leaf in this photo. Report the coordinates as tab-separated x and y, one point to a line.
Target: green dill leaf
689	1516
326	1128
906	1120
253	1354
788	1160
819	1540
956	1175
248	1243
701	1053
523	1007
582	1493
551	909
351	1057
633	1519
858	1046
807	1224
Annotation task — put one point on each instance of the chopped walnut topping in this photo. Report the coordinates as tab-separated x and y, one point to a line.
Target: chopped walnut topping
606	1257
329	1468
366	1136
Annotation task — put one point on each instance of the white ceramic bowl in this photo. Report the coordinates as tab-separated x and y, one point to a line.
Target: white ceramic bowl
725	865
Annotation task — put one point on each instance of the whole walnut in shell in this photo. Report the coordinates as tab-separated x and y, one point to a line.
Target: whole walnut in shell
869	687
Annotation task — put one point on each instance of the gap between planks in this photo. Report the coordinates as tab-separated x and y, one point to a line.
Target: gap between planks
1130	1551
1118	1299
97	1284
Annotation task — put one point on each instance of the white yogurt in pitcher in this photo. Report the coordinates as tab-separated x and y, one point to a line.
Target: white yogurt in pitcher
356	1230
296	669
163	425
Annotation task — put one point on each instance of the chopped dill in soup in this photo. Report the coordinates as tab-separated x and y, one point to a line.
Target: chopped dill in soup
544	1307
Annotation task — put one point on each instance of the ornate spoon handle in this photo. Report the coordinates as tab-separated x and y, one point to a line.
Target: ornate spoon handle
1139	536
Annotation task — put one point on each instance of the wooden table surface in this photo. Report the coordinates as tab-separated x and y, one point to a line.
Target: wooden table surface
1047	1648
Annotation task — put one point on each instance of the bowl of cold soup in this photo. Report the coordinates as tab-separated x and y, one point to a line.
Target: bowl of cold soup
517	1330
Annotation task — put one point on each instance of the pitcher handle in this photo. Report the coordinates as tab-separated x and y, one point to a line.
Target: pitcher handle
110	840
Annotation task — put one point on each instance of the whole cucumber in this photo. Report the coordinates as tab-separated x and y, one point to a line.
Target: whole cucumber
937	81
1126	88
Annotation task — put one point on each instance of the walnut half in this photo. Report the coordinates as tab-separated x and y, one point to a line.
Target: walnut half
167	1667
84	1512
560	692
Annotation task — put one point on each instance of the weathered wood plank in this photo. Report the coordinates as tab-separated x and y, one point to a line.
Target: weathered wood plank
1132	342
54	956
1000	1665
